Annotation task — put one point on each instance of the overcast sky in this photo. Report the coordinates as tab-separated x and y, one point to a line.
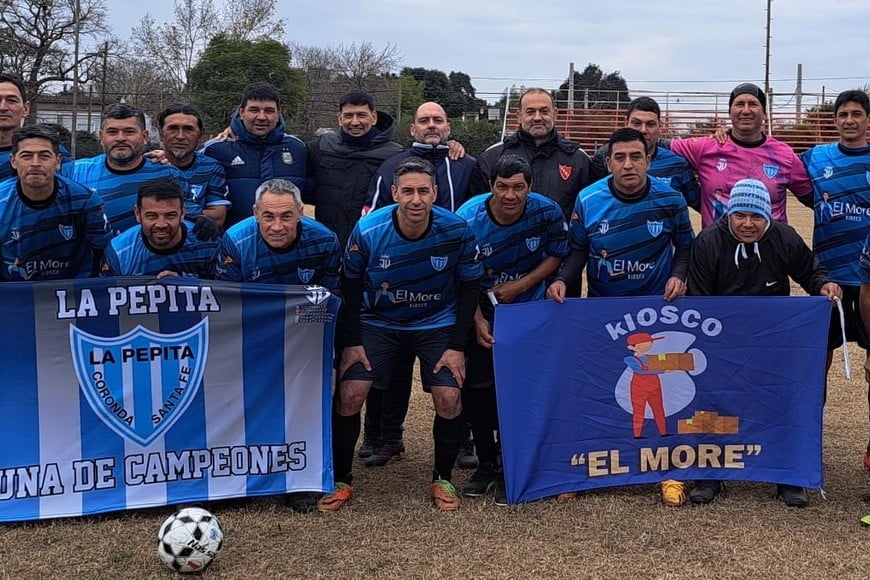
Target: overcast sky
683	45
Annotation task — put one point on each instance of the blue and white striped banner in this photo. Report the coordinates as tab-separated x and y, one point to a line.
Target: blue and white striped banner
128	393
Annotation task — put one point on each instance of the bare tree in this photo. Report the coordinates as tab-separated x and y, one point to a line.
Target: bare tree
36	38
253	20
175	47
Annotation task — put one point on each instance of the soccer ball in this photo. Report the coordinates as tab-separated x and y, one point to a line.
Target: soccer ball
189	540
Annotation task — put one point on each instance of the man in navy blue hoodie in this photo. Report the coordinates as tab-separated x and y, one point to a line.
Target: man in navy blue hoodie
260	151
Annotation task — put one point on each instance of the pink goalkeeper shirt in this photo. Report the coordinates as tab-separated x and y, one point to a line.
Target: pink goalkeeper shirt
719	167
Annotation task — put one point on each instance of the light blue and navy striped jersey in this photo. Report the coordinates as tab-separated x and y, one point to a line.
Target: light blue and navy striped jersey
678	174
129	254
411	284
118	189
6	170
54	239
841	202
509	252
207	185
629	243
313	258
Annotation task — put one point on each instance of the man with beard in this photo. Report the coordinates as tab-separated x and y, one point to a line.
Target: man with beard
117	174
386	409
259	150
50	227
163	244
560	168
181	131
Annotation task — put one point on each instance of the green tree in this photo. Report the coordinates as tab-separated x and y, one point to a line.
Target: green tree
595	89
454	92
475	136
229	64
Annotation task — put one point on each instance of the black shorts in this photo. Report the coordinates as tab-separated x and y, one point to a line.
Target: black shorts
855	331
479	366
384	344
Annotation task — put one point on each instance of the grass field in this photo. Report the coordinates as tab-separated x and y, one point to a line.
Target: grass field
391	530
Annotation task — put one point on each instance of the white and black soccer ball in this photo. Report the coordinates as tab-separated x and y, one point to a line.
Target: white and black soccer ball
189	540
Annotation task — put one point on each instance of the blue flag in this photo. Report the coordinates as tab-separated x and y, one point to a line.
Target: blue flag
126	393
616	391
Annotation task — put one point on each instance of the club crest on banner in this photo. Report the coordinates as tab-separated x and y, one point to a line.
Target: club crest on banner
305	274
66	231
533	243
654	227
770	170
317	294
438	262
140	383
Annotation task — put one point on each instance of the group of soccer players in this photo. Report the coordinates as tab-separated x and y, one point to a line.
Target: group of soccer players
420	275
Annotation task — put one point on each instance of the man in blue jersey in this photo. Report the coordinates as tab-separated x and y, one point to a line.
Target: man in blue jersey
382	436
278	245
522	238
117	174
644	114
640	227
430	260
181	131
163	244
14	108
260	150
840	174
50	227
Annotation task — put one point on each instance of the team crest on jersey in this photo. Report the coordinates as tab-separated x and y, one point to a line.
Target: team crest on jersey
722	164
384	262
565	172
66	231
195	192
163	370
305	274
255	274
603	227
654	227
828	172
486	250
317	295
438	262
287	157
15	235
770	170
533	243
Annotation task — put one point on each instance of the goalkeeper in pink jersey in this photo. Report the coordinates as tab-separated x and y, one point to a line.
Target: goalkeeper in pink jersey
746	153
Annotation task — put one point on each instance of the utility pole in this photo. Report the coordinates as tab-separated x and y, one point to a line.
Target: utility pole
571	87
799	93
75	95
767	52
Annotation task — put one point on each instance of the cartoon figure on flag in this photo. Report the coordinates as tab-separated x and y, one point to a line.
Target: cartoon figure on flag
657	380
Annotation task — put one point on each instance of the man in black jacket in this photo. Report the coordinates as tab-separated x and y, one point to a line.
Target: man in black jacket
560	168
342	163
746	253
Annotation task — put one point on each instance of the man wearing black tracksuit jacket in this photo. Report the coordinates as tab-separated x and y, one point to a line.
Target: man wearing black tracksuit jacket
560	168
746	253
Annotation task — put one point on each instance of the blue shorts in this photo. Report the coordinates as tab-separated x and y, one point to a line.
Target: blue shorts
383	345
